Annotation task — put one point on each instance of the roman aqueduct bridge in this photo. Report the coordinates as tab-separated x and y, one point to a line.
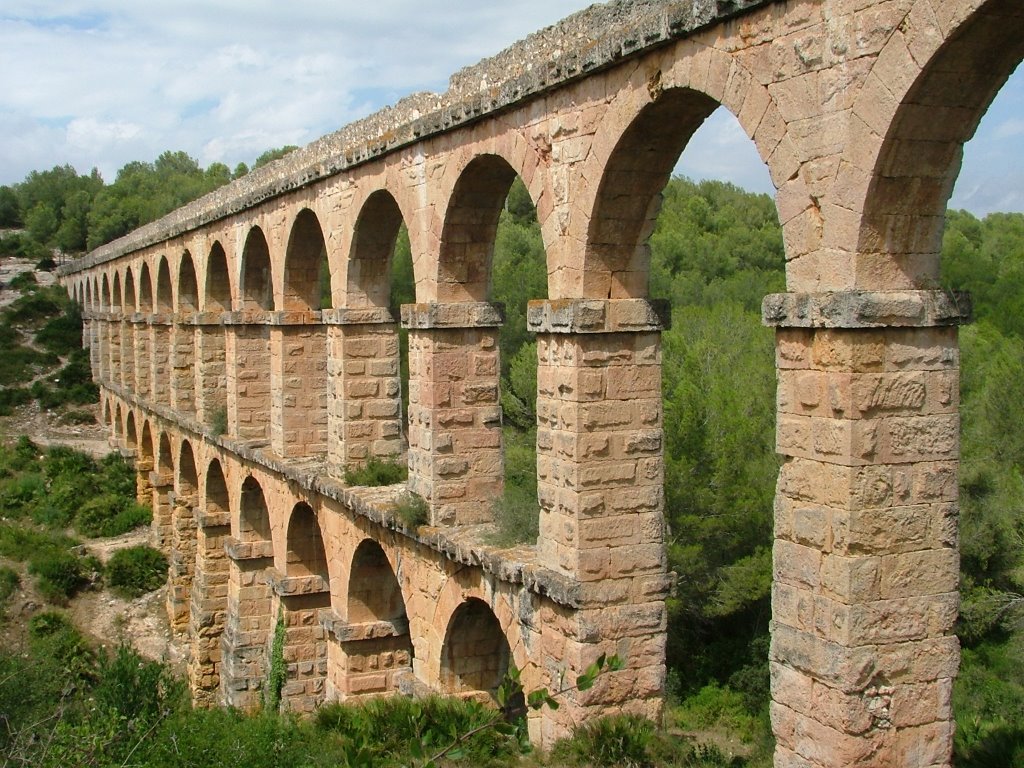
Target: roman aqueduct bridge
859	109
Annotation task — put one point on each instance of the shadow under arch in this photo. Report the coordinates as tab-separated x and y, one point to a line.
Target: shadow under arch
470	227
208	599
257	284
183	539
305	265
250	618
476	653
617	256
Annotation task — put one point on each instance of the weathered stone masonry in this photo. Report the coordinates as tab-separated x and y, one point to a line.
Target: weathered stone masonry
210	319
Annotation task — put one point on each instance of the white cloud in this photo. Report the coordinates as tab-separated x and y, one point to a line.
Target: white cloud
92	134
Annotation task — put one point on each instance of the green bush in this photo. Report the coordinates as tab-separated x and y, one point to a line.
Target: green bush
517	515
23	281
619	741
46	264
107	515
136	570
136	689
59	575
78	416
62	334
12	397
412	510
20	494
36	306
52	635
377	472
389	729
218	421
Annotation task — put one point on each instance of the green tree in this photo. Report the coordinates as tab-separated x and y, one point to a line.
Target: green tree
10	211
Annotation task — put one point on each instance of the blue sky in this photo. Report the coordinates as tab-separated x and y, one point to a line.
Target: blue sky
103	82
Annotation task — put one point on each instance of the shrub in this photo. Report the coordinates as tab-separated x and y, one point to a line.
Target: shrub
76	416
23	281
377	472
38	305
617	741
12	397
59	575
136	689
387	729
412	510
108	515
219	421
517	515
117	476
52	635
19	494
62	334
136	570
46	264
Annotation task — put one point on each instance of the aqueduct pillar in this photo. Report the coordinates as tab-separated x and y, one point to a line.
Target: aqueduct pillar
866	563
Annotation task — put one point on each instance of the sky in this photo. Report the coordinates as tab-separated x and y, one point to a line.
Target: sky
99	83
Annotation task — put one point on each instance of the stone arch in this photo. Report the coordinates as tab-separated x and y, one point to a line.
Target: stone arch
374	642
118	425
147	446
257	273
164	293
105	292
117	301
376	229
106	417
165	454
131	301
95	303
913	128
470	226
628	198
254	516
188	286
217	293
304	262
306	554
476	653
216	499
250	613
208	598
131	435
374	593
162	479
145	289
183	538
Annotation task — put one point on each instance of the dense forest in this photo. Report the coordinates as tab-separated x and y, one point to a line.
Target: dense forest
715	252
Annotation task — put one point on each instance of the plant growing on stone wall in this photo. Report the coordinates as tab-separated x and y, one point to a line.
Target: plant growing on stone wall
278	671
219	421
377	472
412	510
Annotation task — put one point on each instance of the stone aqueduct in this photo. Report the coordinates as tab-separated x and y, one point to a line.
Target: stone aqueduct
859	108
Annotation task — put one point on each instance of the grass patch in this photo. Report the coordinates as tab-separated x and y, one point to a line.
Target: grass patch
377	472
137	570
